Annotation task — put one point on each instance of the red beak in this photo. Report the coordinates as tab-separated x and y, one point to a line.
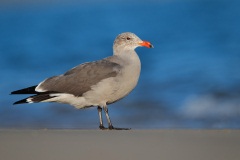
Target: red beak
146	44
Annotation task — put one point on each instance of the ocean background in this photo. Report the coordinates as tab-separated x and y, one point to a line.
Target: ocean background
190	79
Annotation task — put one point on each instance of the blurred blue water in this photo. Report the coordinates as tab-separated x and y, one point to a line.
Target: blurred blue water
190	79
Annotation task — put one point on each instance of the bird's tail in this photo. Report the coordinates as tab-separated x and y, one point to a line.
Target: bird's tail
35	99
38	97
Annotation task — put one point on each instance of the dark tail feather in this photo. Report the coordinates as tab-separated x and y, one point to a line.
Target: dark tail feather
35	99
40	98
29	90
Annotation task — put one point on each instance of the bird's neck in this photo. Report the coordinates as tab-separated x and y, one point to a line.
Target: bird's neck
117	51
129	57
121	49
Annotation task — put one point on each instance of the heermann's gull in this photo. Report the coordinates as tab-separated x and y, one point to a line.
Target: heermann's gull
97	83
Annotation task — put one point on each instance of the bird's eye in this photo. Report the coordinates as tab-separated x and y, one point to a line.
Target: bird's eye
128	38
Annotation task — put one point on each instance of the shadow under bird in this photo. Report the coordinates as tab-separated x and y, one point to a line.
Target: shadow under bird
96	83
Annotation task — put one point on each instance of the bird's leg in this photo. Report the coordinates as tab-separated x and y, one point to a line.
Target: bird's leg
100	118
108	118
110	126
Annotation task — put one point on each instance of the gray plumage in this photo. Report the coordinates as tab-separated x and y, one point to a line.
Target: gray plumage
80	79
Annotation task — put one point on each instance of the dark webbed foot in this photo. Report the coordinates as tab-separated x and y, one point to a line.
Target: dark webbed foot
110	127
115	128
102	127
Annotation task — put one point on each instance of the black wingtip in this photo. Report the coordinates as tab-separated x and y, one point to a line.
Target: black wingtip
29	90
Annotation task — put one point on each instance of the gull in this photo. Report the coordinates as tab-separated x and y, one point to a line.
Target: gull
94	84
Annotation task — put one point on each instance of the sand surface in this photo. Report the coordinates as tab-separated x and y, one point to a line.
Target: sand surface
120	145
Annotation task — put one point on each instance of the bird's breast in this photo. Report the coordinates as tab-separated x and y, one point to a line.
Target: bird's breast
114	88
125	81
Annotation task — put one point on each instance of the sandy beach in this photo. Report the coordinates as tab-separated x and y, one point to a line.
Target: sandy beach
133	144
